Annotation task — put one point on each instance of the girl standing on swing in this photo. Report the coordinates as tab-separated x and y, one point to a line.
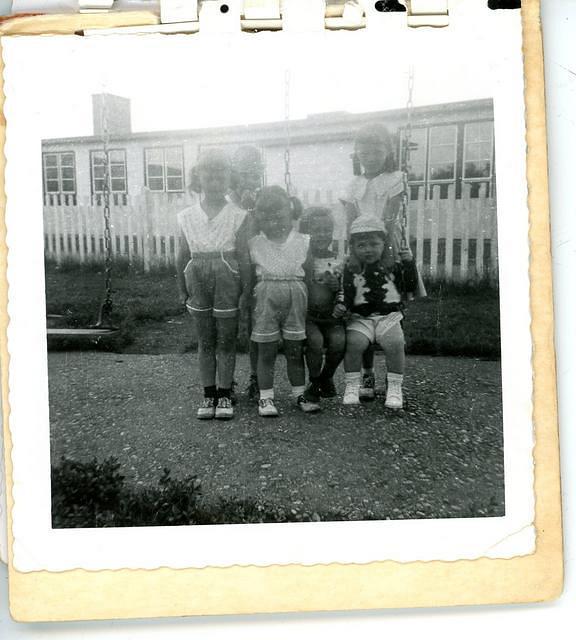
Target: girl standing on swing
375	192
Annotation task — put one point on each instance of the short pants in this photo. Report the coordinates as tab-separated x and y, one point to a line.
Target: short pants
378	328
213	281
280	310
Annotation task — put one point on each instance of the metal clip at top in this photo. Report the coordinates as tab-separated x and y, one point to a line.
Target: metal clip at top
427	13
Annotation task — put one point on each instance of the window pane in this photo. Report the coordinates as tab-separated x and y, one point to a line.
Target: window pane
154	156
175	184
117	155
442	172
173	170
173	155
443	135
68	186
97	158
118	185
117	171
98	185
68	173
50	160
477	169
155	171
67	159
479	132
52	174
417	157
442	152
99	172
156	184
52	186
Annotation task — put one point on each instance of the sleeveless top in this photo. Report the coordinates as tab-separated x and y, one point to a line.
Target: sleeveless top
279	260
205	235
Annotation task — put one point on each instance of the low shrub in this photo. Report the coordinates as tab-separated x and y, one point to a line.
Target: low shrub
95	494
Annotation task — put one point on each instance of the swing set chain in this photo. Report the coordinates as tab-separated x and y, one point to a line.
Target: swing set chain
406	159
106	308
287	174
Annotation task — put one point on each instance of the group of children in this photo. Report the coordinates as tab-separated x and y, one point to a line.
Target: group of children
246	248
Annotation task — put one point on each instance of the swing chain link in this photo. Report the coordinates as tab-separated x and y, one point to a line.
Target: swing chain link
406	159
104	318
287	174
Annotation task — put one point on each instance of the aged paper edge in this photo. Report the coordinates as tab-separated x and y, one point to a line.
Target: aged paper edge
78	594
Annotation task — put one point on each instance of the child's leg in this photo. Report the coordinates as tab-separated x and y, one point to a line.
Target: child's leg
226	351
392	343
356	345
335	348
294	352
314	350
265	370
206	328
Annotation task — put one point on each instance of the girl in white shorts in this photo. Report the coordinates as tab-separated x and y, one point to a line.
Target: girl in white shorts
279	255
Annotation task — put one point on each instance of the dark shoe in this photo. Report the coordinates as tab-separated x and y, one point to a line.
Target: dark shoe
306	405
312	393
328	389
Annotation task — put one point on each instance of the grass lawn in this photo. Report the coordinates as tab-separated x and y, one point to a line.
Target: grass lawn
462	320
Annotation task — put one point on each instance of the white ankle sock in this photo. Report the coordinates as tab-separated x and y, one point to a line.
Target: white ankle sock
367	372
353	379
266	394
395	378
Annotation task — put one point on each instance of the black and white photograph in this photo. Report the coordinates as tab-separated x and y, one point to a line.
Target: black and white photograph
273	295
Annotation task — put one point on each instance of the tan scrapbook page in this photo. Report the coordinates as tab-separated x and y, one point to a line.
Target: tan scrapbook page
277	327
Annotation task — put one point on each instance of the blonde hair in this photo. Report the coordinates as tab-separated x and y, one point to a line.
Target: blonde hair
375	133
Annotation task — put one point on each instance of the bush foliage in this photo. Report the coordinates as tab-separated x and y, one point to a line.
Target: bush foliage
95	494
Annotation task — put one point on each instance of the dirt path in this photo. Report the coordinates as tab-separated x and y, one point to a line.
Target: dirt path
442	457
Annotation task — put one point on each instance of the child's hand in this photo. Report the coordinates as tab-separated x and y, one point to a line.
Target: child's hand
340	311
406	255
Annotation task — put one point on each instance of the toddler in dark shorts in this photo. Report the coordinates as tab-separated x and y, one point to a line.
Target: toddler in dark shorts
325	334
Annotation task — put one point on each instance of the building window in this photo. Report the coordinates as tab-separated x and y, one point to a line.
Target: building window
164	169
116	171
442	153
59	173
478	149
418	152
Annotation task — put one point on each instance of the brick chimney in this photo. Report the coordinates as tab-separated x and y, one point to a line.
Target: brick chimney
111	113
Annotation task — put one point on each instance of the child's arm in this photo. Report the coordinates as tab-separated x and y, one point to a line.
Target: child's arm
345	296
243	257
182	258
408	272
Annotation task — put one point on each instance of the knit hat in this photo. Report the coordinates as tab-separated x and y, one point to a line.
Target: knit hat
366	224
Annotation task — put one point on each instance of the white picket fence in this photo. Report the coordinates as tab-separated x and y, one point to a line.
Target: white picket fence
452	238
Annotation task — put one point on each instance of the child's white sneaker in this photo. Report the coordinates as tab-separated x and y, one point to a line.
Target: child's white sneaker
267	408
224	409
351	395
206	410
394	399
367	388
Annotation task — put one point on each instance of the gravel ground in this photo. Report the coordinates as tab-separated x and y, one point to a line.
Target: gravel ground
441	457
